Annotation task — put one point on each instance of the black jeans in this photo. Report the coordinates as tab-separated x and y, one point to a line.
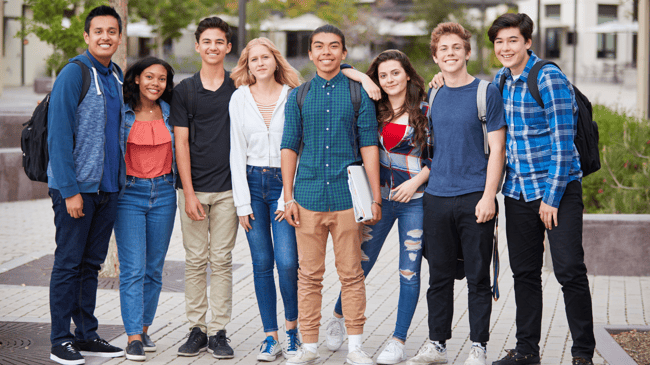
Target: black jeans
81	246
525	234
450	223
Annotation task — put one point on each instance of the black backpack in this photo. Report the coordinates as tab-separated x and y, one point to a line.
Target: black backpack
586	138
33	140
355	97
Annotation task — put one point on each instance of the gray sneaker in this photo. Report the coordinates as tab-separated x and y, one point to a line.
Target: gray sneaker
429	354
335	330
304	357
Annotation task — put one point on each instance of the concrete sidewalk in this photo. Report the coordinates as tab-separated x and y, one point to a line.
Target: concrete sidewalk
27	233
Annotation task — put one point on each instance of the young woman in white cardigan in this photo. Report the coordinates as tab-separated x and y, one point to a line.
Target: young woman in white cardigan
264	79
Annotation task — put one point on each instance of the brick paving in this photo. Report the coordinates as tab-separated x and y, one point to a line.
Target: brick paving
27	233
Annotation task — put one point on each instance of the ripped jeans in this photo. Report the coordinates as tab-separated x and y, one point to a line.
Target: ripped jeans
409	224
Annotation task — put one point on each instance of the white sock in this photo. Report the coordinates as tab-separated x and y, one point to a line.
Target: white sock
480	345
354	342
311	347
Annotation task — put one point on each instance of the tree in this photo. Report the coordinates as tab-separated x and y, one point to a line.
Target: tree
59	23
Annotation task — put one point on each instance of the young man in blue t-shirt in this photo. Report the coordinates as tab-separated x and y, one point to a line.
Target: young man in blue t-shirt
459	201
83	180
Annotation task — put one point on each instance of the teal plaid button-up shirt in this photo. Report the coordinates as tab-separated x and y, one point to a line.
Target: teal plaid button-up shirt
321	182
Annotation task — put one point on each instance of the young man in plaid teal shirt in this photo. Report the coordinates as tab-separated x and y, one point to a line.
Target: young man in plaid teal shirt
320	203
543	192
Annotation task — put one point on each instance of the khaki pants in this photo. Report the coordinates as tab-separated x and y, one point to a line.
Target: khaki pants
312	242
210	240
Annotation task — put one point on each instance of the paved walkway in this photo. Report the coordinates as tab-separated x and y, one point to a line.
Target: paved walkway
27	233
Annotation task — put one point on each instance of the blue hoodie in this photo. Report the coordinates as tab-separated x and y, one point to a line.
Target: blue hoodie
79	150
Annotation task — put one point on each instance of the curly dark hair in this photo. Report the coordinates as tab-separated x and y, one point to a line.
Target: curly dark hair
132	90
415	94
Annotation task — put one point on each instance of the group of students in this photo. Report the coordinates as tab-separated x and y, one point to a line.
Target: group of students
255	148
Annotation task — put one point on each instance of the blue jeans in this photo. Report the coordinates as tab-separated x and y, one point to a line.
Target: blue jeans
265	185
81	246
409	224
143	228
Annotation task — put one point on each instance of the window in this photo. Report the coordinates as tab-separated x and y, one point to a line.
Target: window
553	11
607	13
553	37
607	46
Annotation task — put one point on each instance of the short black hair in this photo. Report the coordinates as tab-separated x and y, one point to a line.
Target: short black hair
213	22
328	28
131	90
102	10
511	20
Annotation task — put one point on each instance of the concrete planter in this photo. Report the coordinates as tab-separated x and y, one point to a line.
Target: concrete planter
609	349
617	244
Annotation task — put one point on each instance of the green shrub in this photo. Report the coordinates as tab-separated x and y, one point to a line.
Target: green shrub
622	185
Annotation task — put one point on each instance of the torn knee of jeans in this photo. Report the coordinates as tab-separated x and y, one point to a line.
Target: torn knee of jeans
412	245
415	233
364	257
365	233
407	274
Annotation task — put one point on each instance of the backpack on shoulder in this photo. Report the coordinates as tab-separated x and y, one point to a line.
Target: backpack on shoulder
33	141
586	138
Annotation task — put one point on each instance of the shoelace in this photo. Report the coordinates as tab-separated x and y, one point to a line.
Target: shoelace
511	354
102	341
335	328
392	347
222	340
476	351
579	360
69	347
268	346
294	343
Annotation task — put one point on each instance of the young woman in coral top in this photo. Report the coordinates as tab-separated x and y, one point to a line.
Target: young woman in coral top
147	202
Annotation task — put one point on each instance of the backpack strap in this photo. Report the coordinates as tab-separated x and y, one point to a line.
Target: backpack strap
355	97
502	83
432	95
481	105
302	95
533	87
192	104
85	77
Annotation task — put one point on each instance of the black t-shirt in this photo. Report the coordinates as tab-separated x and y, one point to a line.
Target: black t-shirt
210	147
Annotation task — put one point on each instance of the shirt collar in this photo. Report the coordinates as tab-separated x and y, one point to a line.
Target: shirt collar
321	82
531	61
99	67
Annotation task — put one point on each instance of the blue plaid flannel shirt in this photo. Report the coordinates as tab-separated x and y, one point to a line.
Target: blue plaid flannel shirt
322	180
542	158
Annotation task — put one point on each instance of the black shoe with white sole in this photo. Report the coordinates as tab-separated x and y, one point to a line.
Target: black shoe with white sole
149	345
66	354
98	347
135	351
197	342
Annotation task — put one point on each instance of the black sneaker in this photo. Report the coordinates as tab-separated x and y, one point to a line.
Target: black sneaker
515	358
67	354
197	342
98	347
135	351
581	361
149	345
218	346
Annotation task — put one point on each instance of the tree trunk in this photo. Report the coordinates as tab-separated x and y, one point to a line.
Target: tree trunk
111	267
160	47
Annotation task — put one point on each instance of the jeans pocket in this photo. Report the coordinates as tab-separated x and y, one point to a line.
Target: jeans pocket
130	181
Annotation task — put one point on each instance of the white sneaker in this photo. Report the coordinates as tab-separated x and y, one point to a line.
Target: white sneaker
304	357
335	333
477	356
359	357
269	350
393	353
429	354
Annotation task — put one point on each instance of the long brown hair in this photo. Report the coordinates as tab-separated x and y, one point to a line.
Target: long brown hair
415	94
284	75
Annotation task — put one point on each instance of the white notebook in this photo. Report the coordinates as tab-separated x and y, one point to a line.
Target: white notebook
360	192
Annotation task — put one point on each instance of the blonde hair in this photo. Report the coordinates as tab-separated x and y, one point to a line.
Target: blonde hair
284	74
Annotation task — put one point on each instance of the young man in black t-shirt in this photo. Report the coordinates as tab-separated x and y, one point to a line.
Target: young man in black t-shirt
208	215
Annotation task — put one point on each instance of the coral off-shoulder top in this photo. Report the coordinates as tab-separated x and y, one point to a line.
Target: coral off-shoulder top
149	149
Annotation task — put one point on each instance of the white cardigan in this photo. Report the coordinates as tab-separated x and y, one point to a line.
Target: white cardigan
251	143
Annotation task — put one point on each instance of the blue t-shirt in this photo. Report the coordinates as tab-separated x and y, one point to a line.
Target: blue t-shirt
112	152
459	164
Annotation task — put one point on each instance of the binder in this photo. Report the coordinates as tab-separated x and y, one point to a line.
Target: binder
360	192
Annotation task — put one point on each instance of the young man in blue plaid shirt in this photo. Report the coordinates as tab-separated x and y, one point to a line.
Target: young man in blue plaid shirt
320	203
543	192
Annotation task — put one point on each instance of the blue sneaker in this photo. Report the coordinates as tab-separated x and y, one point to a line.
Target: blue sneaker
269	350
293	343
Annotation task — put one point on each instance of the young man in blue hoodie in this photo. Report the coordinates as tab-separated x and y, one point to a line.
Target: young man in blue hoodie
83	183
